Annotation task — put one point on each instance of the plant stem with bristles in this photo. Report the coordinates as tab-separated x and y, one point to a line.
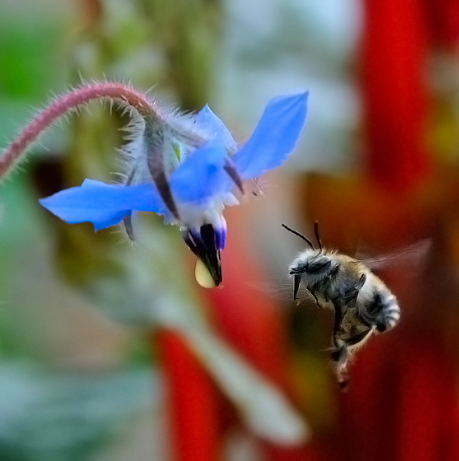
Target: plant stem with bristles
74	99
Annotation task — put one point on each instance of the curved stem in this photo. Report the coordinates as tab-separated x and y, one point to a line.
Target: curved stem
112	91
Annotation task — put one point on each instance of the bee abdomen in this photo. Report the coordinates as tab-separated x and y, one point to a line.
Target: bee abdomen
391	315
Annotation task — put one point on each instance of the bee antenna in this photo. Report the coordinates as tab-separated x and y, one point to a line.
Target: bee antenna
316	232
299	235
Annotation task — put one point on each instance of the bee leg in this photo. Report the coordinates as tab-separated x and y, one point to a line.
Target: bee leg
337	324
315	297
343	377
341	353
340	356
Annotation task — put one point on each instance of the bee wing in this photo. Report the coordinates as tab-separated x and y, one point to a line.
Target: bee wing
279	290
410	256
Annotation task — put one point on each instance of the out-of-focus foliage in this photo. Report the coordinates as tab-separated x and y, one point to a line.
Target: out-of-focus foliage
67	415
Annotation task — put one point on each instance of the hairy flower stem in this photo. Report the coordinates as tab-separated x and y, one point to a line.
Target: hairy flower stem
109	91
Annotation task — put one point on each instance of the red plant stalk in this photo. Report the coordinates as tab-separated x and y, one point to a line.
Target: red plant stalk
192	401
394	52
442	17
403	406
125	95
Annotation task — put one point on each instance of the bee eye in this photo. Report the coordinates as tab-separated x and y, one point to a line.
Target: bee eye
318	265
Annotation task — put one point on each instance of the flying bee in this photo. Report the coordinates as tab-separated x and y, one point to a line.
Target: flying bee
361	301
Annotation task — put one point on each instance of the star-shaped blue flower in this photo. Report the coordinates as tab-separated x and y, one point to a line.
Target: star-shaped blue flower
186	170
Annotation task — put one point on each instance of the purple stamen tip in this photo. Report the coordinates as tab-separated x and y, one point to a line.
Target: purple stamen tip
205	244
220	238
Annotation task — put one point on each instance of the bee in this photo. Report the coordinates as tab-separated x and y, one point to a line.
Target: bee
362	303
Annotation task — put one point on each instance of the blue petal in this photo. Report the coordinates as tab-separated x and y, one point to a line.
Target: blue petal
201	175
111	220
209	122
274	137
102	204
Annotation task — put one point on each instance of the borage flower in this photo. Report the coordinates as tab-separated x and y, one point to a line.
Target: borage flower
186	168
